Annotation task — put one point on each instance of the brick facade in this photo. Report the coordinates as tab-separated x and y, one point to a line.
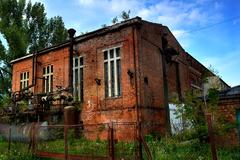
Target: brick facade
229	105
140	43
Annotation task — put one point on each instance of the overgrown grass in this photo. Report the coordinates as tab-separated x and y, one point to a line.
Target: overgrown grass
172	149
83	146
164	149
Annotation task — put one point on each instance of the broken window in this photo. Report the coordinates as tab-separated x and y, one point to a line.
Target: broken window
48	79
78	78
112	72
24	80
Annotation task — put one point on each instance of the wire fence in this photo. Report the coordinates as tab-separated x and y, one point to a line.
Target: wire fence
98	141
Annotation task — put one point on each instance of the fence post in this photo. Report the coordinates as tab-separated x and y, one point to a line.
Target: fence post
111	142
140	141
33	139
66	142
9	139
211	136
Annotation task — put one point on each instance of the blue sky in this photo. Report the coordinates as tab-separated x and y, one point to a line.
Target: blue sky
218	45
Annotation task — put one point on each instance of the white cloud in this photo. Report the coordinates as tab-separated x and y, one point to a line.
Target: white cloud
179	33
86	2
225	65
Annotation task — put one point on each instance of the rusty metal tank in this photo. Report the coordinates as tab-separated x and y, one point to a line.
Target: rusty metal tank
70	115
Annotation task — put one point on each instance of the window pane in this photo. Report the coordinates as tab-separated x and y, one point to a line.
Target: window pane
81	84
47	84
105	55
76	76
106	78
47	69
76	62
111	53
119	77
112	78
81	61
51	83
27	75
117	52
51	68
76	84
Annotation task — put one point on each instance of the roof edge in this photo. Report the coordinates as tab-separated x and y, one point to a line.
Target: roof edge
83	37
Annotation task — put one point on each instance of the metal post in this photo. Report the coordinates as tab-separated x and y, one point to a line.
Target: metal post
71	33
33	138
111	142
9	139
211	136
140	141
66	141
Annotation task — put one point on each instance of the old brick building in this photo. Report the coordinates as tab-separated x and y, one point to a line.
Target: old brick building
121	73
229	106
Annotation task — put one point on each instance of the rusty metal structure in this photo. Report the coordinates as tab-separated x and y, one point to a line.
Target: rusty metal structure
80	141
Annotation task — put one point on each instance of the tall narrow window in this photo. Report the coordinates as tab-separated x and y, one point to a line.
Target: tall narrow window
24	80
112	72
78	78
48	79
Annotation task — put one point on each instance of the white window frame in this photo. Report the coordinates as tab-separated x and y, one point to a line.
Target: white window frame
78	68
24	80
48	77
108	61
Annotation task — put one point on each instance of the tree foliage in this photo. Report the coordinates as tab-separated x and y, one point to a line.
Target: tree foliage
26	29
125	15
193	109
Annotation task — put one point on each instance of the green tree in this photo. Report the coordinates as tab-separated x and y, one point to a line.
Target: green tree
125	15
12	28
56	31
193	109
36	25
26	29
115	20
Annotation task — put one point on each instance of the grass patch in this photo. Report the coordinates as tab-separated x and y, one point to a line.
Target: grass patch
164	149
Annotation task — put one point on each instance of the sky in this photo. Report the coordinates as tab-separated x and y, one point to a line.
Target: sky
209	30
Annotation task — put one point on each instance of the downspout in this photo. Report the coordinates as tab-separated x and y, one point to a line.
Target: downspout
71	33
165	82
179	89
136	91
33	69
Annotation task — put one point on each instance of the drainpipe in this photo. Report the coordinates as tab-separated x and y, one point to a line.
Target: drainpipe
179	89
136	94
33	69
165	81
71	33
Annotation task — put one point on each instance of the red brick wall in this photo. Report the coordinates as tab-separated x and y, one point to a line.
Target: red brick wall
139	54
97	108
17	69
228	109
59	60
